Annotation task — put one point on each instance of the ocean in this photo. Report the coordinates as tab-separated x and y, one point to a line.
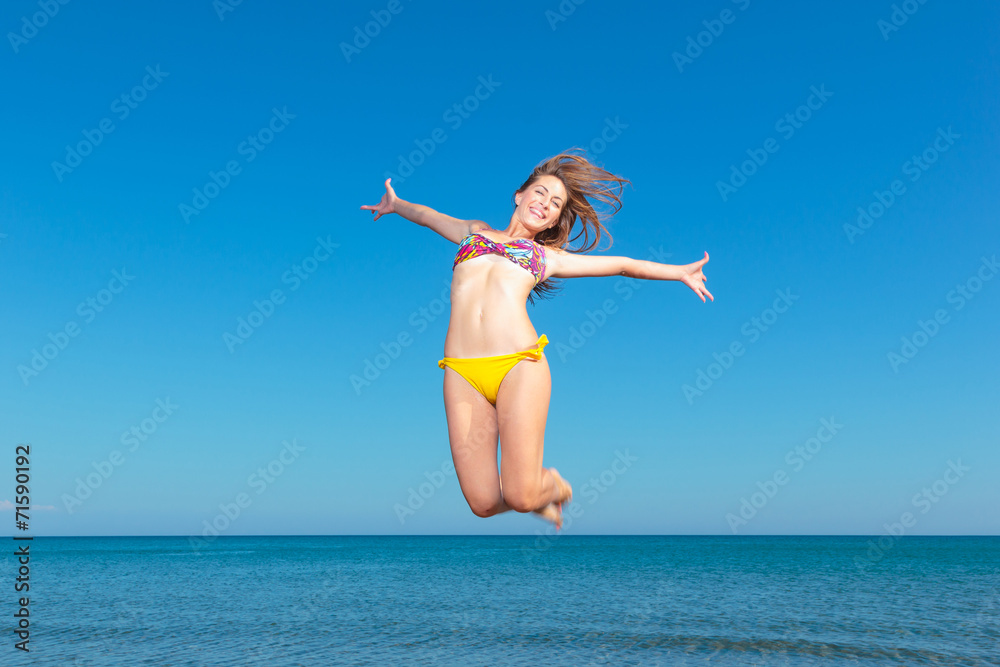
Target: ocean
507	600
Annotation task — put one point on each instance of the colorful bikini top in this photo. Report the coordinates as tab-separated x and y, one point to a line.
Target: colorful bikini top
524	252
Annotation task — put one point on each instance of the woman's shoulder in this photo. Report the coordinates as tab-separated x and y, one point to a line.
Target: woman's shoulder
478	226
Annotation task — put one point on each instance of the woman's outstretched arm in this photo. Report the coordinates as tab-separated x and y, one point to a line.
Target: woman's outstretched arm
562	264
451	228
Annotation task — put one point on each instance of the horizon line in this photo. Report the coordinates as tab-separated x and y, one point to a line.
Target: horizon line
216	537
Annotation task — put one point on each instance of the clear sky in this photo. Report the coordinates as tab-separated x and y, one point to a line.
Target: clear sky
171	170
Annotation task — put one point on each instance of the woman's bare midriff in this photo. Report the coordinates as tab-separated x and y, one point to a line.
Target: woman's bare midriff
489	315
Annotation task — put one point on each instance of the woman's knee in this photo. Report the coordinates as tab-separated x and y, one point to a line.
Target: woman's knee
483	507
521	497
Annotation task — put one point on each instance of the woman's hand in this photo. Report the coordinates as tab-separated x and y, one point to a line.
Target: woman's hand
693	277
387	205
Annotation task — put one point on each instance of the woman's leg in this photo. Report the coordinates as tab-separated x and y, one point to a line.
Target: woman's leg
522	409
472	431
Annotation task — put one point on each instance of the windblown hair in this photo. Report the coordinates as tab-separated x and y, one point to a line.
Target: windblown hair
583	181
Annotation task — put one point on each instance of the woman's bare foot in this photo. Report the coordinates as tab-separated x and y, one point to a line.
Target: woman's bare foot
551	512
565	490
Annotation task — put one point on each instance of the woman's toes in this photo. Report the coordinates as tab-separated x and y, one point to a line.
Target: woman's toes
552	513
565	490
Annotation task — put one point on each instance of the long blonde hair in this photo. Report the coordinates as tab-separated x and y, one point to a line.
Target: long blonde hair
582	180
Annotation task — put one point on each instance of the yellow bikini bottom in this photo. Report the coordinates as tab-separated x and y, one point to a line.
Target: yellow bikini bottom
486	373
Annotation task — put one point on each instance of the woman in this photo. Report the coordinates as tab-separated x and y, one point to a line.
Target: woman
488	393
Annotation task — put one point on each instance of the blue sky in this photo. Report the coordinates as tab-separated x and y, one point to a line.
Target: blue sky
170	171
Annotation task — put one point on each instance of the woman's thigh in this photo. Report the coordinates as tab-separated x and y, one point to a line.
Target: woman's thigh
522	410
472	432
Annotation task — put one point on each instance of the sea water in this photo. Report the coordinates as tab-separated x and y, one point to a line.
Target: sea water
507	600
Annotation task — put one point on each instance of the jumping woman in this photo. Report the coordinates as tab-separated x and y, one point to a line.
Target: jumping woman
488	393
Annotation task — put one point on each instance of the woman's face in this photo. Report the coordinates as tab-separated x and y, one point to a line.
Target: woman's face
540	205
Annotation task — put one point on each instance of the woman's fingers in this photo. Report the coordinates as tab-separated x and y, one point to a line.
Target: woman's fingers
700	289
379	209
384	202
